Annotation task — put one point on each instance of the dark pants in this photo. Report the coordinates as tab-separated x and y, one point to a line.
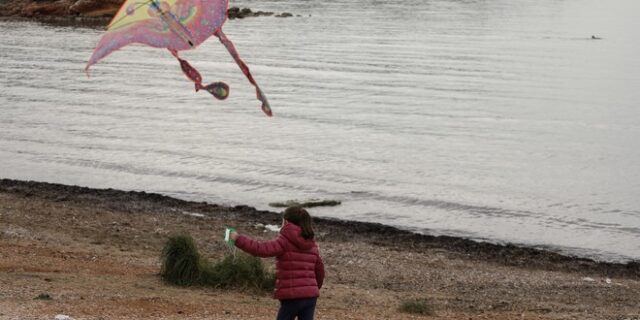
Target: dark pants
301	308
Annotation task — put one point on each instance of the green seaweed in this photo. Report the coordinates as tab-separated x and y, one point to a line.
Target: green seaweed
183	265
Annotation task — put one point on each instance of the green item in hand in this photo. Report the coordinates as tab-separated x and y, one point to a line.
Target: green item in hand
227	235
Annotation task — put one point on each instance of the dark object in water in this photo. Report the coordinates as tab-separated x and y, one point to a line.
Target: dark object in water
595	38
305	204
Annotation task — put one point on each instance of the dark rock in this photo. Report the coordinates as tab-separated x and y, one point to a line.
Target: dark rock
57	8
11	8
284	15
305	204
237	13
262	13
93	8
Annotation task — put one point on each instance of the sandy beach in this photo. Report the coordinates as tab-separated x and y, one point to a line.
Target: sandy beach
94	254
513	122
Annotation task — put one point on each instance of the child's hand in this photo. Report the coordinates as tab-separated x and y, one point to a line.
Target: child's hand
233	236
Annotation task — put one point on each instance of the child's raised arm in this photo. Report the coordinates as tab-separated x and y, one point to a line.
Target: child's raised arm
271	248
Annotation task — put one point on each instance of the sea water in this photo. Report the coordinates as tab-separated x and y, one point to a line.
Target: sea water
498	120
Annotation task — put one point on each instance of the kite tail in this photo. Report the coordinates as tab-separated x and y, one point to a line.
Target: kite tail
188	70
266	108
220	90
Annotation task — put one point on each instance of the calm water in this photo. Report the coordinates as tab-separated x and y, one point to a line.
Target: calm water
495	120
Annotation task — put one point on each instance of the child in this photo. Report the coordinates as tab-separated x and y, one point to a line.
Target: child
299	268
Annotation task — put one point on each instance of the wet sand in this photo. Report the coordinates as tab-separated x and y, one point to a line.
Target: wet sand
96	254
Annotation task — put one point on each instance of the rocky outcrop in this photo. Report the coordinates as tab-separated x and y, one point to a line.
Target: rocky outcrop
12	8
92	8
237	13
59	8
55	8
284	15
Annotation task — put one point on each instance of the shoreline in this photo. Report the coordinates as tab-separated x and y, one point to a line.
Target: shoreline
95	254
340	230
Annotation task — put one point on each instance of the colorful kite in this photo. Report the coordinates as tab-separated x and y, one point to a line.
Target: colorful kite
175	25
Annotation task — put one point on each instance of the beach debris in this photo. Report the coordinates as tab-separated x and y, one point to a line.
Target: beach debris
175	25
589	279
305	204
43	296
62	317
15	232
267	227
272	228
193	214
160	231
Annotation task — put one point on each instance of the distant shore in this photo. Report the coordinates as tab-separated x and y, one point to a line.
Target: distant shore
91	12
91	253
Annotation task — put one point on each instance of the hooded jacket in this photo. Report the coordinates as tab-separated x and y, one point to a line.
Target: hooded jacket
299	268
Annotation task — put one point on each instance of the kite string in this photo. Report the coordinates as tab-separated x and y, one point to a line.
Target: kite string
140	4
232	249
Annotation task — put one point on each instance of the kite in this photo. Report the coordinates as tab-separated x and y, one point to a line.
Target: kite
175	25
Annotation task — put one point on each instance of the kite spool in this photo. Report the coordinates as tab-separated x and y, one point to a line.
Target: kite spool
231	244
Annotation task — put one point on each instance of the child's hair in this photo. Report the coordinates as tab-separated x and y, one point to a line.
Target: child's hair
301	218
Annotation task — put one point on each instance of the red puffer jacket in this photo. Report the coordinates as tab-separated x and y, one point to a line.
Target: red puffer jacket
299	268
